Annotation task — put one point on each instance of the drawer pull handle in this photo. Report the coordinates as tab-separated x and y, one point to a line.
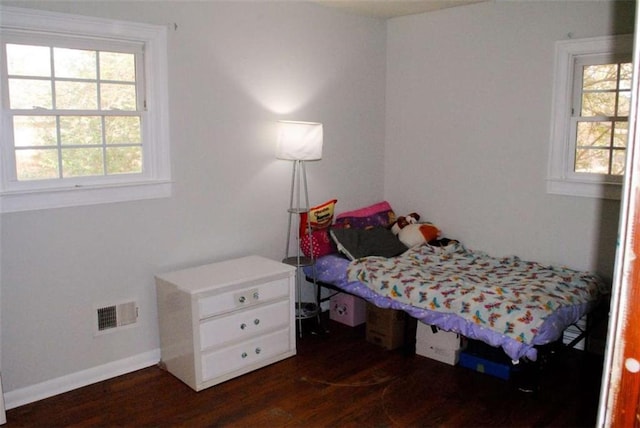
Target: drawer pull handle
256	295
258	350
242	299
243	326
256	321
244	355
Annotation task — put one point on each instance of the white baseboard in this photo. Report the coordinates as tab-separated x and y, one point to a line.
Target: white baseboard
79	379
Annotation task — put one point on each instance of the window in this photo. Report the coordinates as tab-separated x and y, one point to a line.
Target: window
600	115
84	111
74	112
592	98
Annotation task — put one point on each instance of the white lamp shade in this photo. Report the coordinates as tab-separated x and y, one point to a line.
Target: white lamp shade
299	141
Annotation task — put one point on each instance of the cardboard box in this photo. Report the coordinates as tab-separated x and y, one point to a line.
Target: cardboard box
347	309
385	327
435	336
447	356
440	345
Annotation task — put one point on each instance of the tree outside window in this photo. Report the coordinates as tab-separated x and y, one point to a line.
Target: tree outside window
602	124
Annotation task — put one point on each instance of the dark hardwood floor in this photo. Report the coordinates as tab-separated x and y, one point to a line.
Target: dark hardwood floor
336	380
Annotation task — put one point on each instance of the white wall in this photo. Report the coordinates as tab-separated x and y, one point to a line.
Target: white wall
235	68
468	124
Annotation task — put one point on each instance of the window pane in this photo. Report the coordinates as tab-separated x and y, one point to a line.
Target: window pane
620	134
29	94
593	161
24	60
599	77
124	160
36	164
122	130
74	63
78	130
624	103
117	97
34	131
618	162
625	75
117	66
594	134
598	104
76	96
82	162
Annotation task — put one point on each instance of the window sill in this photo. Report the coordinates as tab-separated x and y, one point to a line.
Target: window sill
16	201
585	189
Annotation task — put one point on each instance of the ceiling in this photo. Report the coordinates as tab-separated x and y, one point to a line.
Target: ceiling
393	8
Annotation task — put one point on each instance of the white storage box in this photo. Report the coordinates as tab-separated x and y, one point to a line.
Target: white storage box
443	355
440	345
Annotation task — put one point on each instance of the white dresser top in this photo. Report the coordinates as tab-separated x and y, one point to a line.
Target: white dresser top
226	273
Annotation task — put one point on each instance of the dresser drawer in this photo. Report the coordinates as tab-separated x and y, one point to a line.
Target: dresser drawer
245	324
244	354
213	305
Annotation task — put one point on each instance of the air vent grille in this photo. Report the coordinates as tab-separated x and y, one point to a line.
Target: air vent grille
112	317
107	318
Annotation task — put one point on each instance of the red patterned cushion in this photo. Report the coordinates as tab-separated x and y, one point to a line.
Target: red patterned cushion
322	244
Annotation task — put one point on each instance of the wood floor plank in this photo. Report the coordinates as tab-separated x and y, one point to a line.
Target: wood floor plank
338	379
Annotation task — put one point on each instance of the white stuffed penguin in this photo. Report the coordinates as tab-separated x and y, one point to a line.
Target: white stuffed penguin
417	233
403	221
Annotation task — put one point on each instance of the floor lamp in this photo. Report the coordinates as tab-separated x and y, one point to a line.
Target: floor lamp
300	142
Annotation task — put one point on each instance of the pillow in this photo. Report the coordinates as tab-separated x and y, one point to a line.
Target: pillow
376	241
377	215
321	242
321	217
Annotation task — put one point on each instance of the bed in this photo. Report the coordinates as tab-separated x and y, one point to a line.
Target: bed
504	302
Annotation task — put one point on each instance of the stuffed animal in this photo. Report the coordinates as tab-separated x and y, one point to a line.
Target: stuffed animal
417	233
412	233
403	221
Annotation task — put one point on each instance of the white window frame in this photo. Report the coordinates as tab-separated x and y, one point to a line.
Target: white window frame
155	180
561	178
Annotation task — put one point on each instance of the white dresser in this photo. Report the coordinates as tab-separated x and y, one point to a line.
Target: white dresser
222	320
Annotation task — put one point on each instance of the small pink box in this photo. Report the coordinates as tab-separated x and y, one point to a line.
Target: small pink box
348	309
